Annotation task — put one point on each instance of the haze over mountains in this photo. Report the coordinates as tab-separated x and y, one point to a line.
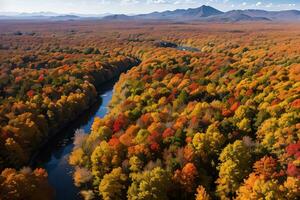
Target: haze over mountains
203	13
208	13
50	16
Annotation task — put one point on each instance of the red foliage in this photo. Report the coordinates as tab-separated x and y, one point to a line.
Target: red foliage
293	170
114	141
294	150
159	74
119	123
154	146
146	119
249	92
147	78
169	132
194	122
18	79
153	137
226	112
30	93
234	106
296	103
231	100
41	78
232	71
193	86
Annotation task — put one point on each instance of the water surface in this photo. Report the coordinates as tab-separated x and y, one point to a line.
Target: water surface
54	156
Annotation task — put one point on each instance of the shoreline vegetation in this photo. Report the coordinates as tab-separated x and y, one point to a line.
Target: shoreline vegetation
48	121
119	70
208	124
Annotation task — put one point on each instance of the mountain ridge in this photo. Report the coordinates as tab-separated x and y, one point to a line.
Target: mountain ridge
203	13
210	14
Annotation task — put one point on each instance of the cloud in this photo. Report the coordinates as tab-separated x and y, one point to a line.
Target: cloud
130	1
157	1
258	3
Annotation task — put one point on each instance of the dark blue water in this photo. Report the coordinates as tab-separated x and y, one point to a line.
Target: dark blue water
54	157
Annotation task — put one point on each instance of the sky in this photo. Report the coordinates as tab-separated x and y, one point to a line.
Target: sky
137	6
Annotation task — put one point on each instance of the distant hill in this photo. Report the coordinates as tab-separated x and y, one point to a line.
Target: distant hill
49	16
117	17
179	14
235	16
285	15
188	14
65	17
202	13
210	14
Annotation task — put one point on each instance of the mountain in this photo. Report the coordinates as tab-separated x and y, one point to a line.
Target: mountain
285	15
235	16
66	17
179	14
49	16
203	13
118	17
182	14
210	14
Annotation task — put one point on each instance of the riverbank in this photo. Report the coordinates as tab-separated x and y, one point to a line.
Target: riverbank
106	77
54	156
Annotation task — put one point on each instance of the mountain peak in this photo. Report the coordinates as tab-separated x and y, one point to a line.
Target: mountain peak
208	13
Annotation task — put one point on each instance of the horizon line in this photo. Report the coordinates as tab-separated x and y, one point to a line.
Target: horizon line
108	13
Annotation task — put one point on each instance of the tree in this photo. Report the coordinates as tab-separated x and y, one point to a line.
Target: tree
81	176
235	165
141	136
102	133
209	143
187	177
25	184
127	138
257	187
113	185
202	194
101	158
135	164
149	185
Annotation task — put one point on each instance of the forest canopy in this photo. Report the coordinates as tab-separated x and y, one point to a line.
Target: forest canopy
221	122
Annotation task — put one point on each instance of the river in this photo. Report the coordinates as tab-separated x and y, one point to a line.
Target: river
54	156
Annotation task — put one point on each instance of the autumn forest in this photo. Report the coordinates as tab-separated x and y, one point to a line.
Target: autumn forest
200	110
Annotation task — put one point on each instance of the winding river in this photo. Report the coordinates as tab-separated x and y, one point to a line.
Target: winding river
54	156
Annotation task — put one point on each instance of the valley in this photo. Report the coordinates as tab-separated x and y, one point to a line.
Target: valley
200	110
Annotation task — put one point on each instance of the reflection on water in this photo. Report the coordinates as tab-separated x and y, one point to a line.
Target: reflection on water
54	156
